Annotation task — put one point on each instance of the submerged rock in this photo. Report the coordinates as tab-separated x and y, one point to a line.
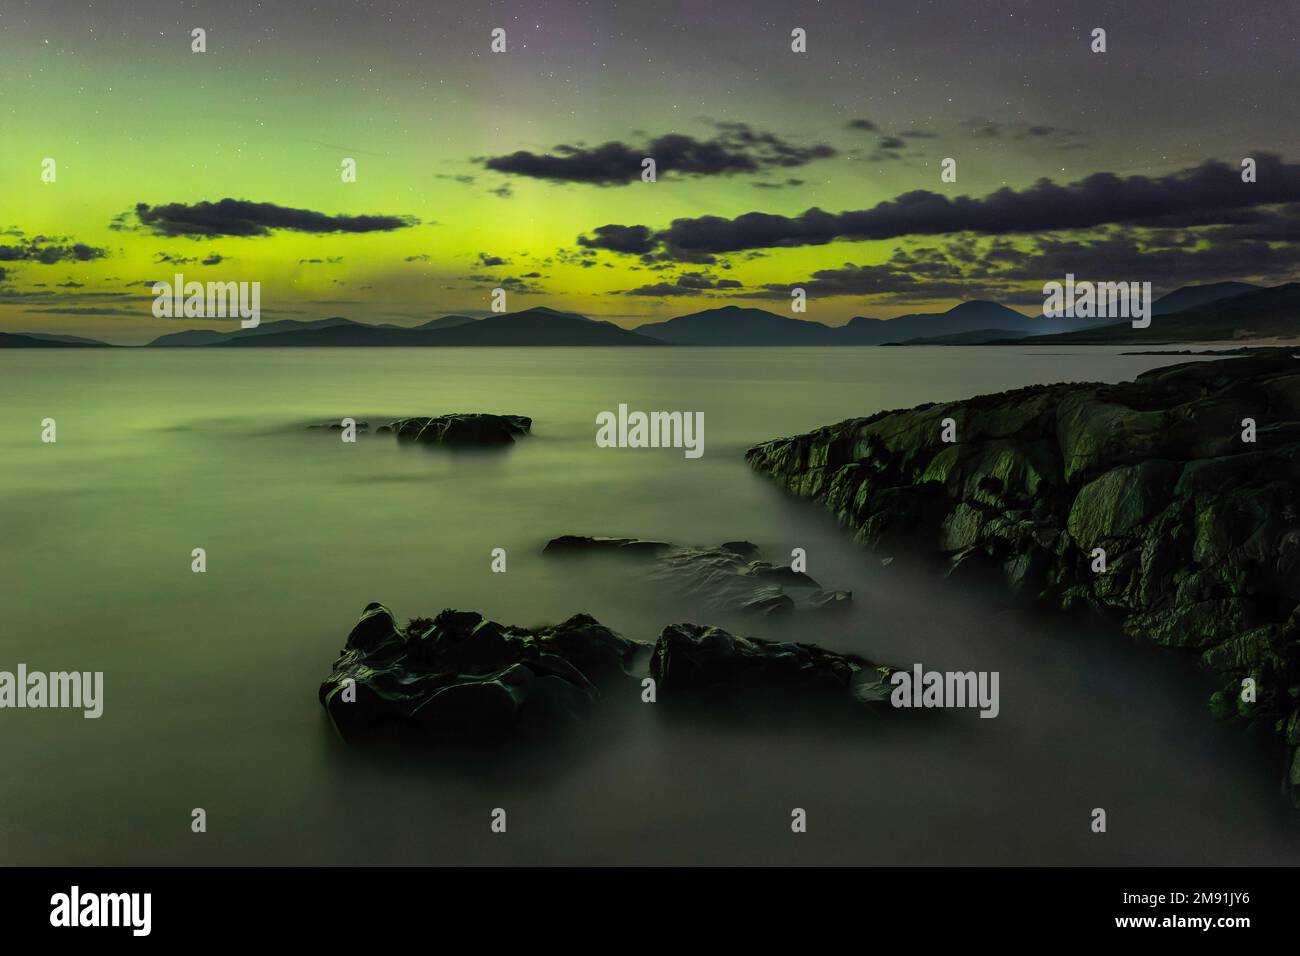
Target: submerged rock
695	659
726	578
338	426
462	674
460	429
1198	527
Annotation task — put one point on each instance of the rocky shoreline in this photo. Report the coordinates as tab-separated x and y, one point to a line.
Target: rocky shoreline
1168	503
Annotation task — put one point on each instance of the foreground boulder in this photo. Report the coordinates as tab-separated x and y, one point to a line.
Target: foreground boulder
459	429
462	674
729	577
1143	500
696	659
462	679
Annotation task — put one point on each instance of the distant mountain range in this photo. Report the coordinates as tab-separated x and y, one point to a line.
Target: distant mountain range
1254	314
733	326
46	340
1224	311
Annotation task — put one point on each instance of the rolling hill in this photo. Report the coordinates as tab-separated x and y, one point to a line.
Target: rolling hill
732	325
531	327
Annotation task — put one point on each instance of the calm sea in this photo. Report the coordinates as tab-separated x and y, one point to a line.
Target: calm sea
211	679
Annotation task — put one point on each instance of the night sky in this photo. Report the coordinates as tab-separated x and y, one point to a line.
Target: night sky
522	169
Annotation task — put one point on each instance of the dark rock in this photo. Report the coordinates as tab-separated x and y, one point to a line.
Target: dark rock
693	659
461	679
461	429
579	544
1199	528
461	674
725	578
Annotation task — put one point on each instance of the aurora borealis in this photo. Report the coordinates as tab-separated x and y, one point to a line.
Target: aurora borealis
477	169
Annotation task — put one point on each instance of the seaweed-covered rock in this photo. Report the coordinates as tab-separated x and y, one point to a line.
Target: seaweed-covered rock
729	577
462	674
1198	526
694	659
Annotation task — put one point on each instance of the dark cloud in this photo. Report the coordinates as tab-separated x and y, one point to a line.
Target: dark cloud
634	240
327	261
517	284
238	217
874	280
1211	255
1011	272
784	185
422	257
213	259
689	283
86	311
737	148
1063	137
488	261
1209	194
48	251
863	124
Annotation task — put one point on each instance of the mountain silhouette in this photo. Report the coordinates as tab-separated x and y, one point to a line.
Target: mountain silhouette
1259	314
973	316
531	327
1194	296
44	340
191	337
733	325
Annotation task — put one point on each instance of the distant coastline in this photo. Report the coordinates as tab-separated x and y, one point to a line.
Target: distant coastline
1235	314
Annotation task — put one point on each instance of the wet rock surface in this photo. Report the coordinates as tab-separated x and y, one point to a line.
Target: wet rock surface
1198	526
698	659
460	677
458	429
730	577
462	674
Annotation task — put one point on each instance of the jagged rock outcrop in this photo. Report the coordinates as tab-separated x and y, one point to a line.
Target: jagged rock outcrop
1198	526
462	678
458	429
462	674
729	577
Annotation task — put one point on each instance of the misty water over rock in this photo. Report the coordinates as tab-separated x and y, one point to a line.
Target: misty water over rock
1169	503
729	577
